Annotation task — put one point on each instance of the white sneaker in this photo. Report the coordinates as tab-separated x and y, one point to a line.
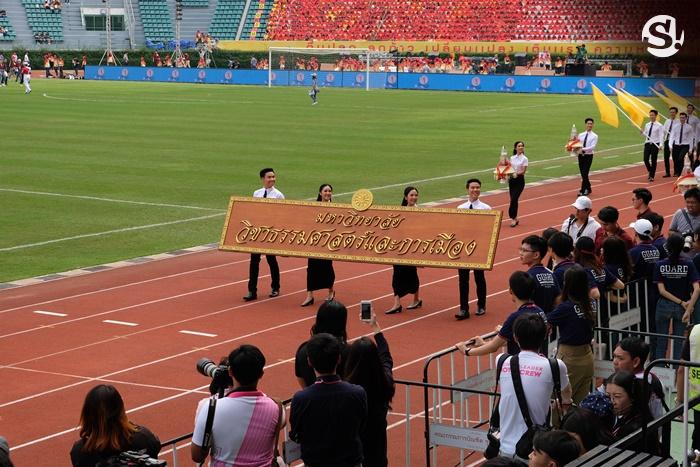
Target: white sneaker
314	103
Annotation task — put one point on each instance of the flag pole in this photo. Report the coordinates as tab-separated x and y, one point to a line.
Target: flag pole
634	100
639	108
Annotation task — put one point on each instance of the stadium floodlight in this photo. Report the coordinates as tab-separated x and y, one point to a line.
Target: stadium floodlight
291	59
108	28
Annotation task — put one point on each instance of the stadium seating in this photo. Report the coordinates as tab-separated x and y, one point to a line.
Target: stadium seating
44	21
226	19
195	3
155	16
255	25
9	31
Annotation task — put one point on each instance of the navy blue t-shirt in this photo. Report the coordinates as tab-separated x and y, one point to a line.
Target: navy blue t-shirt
559	271
574	328
506	331
696	262
677	278
660	244
601	279
546	288
644	256
616	270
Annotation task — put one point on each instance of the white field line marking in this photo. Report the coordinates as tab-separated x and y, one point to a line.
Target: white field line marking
473	172
49	313
130	284
611	157
197	333
110	232
151	101
109	200
552	167
228	342
637	183
121	323
634	152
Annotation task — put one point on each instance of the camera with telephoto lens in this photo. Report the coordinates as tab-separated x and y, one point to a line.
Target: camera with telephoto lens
220	379
687	240
132	459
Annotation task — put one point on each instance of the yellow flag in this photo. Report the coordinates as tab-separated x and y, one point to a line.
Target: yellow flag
646	107
635	114
681	102
670	102
608	111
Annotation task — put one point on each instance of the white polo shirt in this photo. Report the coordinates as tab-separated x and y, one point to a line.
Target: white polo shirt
474	205
273	193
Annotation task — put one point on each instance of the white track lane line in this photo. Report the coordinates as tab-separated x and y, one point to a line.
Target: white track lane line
197	333
120	323
49	313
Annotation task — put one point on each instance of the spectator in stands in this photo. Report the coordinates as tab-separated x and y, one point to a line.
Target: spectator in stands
125	59
560	247
677	281
644	254
331	318
319	272
608	217
142	62
253	63
630	355
574	318
521	287
516	183
369	364
546	235
530	331
554	448
641	197
581	223
405	279
317	411
5	453
106	431
688	219
587	425
532	249
626	393
246	423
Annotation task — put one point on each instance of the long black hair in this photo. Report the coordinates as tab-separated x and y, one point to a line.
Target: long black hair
320	189
674	246
615	252
332	318
515	147
633	386
406	191
576	289
364	367
584	254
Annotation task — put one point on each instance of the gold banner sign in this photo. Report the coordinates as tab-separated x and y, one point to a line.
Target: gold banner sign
435	237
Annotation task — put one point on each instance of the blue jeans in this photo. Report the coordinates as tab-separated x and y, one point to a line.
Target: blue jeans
667	311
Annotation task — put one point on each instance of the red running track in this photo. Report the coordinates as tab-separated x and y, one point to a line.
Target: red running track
49	362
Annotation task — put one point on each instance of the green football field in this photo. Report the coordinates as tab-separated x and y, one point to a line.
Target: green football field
94	172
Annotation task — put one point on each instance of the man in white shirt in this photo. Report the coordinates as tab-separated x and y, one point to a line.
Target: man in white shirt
681	139
668	128
653	139
529	331
268	179
694	122
474	191
589	140
581	224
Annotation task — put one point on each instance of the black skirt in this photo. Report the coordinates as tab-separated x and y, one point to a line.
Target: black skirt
319	274
405	280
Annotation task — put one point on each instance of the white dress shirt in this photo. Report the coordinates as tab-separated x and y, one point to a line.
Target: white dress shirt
474	205
695	123
575	231
688	135
669	125
273	193
657	133
518	162
589	140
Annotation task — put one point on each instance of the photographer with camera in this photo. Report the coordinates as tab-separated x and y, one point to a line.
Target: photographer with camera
105	430
245	424
685	221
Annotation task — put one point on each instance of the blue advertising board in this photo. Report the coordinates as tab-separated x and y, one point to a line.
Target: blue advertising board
417	81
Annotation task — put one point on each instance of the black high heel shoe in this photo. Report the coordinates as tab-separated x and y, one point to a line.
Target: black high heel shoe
308	302
398	309
415	305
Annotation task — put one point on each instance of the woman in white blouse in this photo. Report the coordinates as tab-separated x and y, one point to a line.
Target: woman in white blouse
516	184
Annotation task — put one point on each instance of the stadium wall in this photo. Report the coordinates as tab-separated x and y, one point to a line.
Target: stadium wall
419	81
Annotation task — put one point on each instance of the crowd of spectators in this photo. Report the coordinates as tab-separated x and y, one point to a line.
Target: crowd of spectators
53	5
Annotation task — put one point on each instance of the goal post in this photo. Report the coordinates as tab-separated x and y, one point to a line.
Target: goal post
293	66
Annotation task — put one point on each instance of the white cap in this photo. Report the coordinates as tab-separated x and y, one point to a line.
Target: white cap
642	227
583	202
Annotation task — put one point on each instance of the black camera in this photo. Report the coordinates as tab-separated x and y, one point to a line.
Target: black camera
133	459
220	379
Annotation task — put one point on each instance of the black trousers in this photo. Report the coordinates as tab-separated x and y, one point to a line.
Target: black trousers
678	153
651	154
584	167
464	288
255	270
515	189
667	158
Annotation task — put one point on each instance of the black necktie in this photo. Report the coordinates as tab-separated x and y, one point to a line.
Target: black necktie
470	206
670	127
680	140
651	127
585	139
265	194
